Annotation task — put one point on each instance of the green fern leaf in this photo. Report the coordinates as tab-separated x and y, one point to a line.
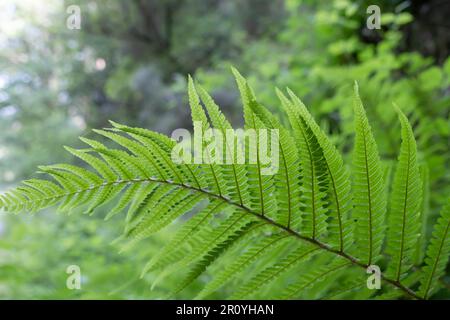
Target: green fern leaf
262	187
170	253
269	244
307	280
312	171
288	179
212	254
212	171
424	215
369	197
339	181
275	271
405	205
234	172
437	255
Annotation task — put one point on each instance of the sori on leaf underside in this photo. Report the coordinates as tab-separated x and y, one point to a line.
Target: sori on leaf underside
308	231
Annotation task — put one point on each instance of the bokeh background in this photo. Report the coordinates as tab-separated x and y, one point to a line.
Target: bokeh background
129	63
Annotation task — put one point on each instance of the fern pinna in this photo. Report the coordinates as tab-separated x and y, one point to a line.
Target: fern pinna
308	231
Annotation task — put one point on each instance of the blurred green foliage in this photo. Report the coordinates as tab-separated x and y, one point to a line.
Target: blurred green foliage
129	63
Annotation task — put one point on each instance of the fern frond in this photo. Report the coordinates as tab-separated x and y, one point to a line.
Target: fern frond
100	166
120	161
288	179
369	196
339	181
405	205
212	254
155	166
213	172
264	246
424	214
437	254
187	232
311	278
140	199
275	271
212	237
312	173
395	293
169	208
125	200
191	171
261	186
234	172
350	290
240	221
